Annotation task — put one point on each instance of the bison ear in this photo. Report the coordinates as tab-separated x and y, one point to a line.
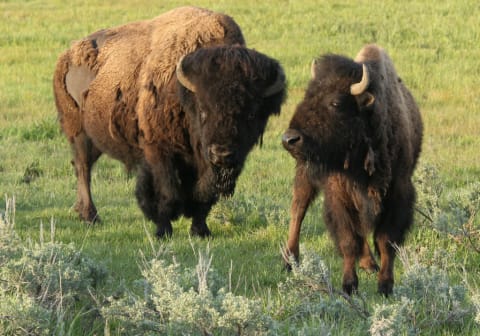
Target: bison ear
183	79
278	85
365	99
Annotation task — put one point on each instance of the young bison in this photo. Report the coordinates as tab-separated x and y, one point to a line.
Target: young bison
357	135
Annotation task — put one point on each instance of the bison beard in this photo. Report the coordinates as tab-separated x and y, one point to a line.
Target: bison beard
225	180
357	136
219	181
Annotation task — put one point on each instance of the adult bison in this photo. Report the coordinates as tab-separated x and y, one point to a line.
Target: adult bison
180	97
357	135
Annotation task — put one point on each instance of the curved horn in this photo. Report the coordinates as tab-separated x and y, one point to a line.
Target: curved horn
360	87
278	86
312	68
182	78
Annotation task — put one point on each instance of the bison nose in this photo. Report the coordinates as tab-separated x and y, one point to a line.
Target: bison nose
220	155
291	138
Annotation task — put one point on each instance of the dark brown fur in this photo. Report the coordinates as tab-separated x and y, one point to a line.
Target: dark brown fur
116	93
361	150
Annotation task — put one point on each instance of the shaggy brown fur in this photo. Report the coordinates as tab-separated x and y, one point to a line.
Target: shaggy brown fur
116	92
361	149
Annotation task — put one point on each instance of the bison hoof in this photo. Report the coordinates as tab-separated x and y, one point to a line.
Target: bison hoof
91	219
369	266
88	215
350	286
164	232
287	266
94	219
385	287
289	261
200	232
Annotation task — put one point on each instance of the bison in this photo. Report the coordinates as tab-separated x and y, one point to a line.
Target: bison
178	98
357	136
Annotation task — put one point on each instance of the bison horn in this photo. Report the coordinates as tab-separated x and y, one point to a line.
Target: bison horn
360	87
312	68
278	86
182	78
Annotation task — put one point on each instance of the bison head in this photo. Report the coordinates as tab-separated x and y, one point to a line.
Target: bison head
331	127
228	93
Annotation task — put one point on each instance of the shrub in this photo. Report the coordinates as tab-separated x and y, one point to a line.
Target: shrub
424	299
392	319
182	301
20	314
185	301
430	190
453	213
476	303
41	283
308	294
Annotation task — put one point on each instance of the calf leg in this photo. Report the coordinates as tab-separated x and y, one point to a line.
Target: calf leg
387	256
348	243
391	230
358	246
303	194
85	155
342	221
367	261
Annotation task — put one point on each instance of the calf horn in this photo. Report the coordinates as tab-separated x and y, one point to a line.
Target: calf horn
360	87
182	78
276	87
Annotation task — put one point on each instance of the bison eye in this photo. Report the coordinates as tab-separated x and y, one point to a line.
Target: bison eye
335	103
251	116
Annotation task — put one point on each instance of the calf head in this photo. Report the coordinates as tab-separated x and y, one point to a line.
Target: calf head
228	93
331	127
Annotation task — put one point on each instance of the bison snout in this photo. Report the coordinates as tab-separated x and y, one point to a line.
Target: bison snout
221	156
291	138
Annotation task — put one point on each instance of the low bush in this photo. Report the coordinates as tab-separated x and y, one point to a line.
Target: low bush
180	300
42	283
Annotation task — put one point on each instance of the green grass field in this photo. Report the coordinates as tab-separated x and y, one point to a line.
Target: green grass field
436	50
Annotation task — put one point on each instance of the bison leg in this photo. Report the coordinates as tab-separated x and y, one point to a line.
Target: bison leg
367	261
199	224
85	155
390	232
387	256
341	221
154	202
303	194
349	244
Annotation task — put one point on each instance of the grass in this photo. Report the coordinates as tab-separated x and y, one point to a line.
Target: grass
434	46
